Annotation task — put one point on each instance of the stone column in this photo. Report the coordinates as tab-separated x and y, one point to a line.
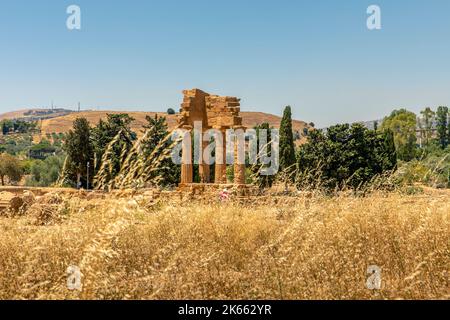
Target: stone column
204	170
221	159
186	159
239	156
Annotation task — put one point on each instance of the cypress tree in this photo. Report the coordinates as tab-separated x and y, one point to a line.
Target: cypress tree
287	149
448	129
79	150
389	151
442	114
158	132
262	181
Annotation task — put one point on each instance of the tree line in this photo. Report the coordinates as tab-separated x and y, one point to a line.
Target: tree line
17	126
110	154
96	156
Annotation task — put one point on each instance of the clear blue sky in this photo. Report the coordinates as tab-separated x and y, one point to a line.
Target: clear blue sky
316	55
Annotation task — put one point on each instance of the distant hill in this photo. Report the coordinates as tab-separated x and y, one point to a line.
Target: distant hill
62	123
35	114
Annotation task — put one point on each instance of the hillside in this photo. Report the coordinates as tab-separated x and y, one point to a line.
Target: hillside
34	114
63	123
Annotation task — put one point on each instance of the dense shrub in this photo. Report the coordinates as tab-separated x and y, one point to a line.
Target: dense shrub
345	156
45	173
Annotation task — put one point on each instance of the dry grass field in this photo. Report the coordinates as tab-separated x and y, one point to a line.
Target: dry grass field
307	247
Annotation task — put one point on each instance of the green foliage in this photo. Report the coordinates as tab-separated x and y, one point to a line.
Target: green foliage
157	131
136	169
402	123
6	126
442	126
287	148
42	150
17	126
171	111
26	166
10	168
433	170
120	160
107	130
79	151
112	160
345	156
158	127
45	173
448	129
262	181
426	124
16	145
108	156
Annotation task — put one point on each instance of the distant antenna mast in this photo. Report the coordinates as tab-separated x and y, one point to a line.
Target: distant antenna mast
52	105
79	107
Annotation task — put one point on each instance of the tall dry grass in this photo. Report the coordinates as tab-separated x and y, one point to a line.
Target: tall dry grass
308	247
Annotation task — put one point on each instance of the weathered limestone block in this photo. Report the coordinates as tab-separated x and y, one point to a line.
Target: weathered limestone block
15	204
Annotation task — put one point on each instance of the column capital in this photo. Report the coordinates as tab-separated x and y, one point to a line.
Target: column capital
238	127
220	128
187	127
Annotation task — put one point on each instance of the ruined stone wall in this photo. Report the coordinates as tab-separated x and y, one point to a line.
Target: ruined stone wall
216	112
193	108
223	112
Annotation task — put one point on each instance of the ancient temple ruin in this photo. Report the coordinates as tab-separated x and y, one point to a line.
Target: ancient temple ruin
214	112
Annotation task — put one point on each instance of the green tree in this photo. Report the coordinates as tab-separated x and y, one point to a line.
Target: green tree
156	143
45	173
79	150
375	125
112	140
287	148
19	126
402	124
106	131
9	168
262	181
448	129
387	151
345	156
427	126
158	131
41	150
441	126
6	125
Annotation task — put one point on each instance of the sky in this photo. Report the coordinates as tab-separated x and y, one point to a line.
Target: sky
316	55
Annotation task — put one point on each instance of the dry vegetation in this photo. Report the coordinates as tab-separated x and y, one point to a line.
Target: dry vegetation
307	247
